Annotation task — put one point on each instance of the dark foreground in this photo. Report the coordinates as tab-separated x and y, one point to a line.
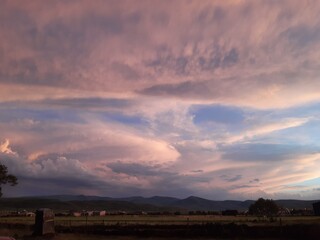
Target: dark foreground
195	231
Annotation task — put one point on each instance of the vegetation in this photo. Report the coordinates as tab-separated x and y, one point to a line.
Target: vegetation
154	204
181	227
264	207
31	204
6	178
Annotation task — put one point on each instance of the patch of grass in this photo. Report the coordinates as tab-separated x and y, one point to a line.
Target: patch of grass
166	220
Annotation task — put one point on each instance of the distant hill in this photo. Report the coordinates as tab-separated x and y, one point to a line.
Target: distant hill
297	204
137	203
196	203
65	198
32	204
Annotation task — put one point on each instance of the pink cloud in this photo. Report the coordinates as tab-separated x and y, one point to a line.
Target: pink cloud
153	61
70	44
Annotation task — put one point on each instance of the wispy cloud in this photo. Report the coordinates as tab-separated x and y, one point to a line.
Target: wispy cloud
166	97
269	128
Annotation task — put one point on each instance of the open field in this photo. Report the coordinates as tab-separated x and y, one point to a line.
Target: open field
133	227
25	234
167	220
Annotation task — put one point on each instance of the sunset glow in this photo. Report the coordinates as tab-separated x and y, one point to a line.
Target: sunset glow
219	99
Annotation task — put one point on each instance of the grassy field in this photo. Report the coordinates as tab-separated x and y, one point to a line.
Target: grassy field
26	235
167	220
21	235
133	227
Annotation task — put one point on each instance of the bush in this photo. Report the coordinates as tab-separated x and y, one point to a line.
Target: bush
264	207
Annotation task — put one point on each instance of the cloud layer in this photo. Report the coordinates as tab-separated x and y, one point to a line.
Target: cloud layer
212	98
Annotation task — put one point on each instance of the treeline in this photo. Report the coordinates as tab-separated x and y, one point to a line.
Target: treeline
32	204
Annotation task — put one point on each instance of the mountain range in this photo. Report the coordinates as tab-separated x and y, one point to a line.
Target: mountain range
138	203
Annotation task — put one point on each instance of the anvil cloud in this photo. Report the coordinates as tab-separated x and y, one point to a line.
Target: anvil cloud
212	98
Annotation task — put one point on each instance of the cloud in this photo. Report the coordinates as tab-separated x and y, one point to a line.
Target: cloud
187	88
55	174
75	176
263	152
231	179
217	113
207	58
133	169
161	98
301	36
268	128
255	180
4	147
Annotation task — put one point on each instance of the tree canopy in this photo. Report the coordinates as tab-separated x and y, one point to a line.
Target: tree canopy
264	207
6	178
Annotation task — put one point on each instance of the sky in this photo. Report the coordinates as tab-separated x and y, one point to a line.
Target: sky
217	99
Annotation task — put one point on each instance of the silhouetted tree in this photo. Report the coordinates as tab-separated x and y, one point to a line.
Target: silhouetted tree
6	178
264	207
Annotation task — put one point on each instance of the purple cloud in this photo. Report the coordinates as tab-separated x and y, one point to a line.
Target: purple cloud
161	98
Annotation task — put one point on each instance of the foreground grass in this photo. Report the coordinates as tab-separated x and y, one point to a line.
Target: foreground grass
167	220
168	227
